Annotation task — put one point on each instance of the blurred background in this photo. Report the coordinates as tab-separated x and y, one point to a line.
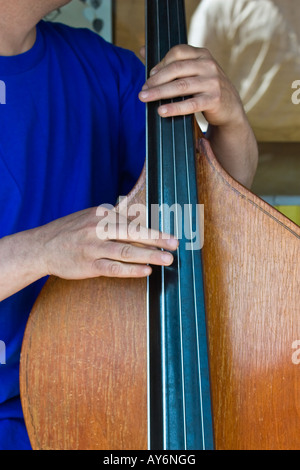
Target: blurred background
257	43
96	15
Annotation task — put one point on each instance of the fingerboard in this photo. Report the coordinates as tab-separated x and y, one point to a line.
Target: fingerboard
179	401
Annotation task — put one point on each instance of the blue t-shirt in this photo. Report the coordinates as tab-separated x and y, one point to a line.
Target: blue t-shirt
72	136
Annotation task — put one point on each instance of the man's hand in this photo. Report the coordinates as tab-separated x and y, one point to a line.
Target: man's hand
193	73
79	246
190	71
101	242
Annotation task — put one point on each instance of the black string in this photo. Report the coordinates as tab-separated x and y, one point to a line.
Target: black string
178	370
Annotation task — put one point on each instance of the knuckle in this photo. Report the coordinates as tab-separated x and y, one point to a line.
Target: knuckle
182	85
133	231
215	90
133	271
174	109
126	252
213	68
107	268
204	53
114	269
177	67
176	52
209	65
192	106
98	267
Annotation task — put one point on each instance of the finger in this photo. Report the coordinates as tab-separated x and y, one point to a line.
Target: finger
109	268
148	237
180	88
128	253
143	52
178	53
204	102
182	108
176	70
121	229
200	69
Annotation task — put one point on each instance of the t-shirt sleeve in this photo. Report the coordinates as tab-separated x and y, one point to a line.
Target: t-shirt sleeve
116	76
132	125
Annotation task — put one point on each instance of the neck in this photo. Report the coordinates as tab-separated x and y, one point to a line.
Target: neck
14	44
17	26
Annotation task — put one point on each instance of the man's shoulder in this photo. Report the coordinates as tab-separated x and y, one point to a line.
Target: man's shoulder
56	28
81	47
82	40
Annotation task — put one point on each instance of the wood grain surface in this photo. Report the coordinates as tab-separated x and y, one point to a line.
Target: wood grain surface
83	370
84	362
252	284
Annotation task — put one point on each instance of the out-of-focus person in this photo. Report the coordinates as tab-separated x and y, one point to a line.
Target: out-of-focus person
257	43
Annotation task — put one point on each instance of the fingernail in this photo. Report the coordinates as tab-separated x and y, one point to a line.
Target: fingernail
153	72
145	87
147	271
144	94
167	258
163	110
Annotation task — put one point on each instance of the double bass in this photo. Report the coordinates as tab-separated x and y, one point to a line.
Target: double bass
203	354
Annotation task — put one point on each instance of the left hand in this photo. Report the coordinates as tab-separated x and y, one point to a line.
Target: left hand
193	72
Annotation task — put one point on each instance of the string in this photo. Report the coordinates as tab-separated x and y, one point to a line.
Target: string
178	257
163	314
195	303
193	260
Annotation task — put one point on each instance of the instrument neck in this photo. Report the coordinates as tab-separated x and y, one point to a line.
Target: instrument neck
179	391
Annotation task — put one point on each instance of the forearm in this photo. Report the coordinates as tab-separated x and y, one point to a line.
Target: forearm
236	149
20	262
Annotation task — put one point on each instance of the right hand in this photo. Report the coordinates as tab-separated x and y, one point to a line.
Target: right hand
72	249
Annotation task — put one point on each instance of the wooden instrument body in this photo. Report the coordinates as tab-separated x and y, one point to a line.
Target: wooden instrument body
84	380
252	286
